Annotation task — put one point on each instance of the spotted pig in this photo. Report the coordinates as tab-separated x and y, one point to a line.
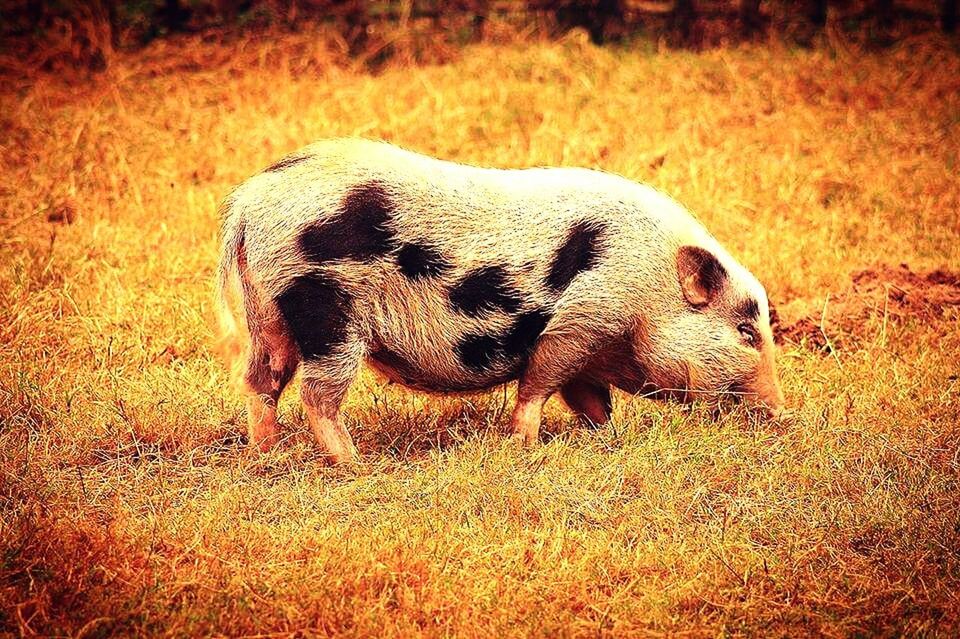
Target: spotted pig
450	278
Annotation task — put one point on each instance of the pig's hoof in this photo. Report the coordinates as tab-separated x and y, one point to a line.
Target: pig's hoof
782	414
521	440
264	443
343	458
591	424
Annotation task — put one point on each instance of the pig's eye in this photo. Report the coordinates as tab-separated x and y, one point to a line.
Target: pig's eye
748	334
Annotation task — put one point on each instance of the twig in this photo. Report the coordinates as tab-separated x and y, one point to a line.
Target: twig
823	332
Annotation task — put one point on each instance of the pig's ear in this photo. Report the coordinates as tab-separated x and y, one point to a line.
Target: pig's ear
701	275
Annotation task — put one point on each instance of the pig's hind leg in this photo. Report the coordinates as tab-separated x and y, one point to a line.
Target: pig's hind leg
271	364
325	383
319	313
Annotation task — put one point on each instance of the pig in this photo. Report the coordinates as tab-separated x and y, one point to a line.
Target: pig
449	278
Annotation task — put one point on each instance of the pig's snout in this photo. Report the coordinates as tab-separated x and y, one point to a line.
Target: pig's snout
770	397
763	395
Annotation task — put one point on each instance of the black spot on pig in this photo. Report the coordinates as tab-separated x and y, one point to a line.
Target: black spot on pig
481	352
258	374
478	352
421	260
749	310
523	333
361	231
286	163
579	252
485	289
317	312
265	380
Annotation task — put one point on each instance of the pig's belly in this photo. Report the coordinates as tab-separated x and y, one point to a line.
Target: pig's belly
406	371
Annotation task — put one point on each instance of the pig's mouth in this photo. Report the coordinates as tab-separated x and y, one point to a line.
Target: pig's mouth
738	393
734	393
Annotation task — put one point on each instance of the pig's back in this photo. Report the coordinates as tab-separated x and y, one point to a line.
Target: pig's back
455	272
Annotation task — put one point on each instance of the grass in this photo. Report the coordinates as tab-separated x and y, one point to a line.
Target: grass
130	506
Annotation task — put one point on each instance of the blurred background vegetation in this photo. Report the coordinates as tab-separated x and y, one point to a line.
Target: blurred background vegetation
53	34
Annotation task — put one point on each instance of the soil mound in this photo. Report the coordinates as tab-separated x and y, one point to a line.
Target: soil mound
891	293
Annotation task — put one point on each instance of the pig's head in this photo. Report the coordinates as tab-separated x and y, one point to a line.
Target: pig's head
716	339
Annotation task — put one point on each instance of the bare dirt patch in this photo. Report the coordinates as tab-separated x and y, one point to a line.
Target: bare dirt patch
892	294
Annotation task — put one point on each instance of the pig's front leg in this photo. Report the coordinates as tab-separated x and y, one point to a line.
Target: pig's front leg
525	423
554	363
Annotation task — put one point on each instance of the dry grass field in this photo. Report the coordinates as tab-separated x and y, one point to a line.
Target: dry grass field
129	504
